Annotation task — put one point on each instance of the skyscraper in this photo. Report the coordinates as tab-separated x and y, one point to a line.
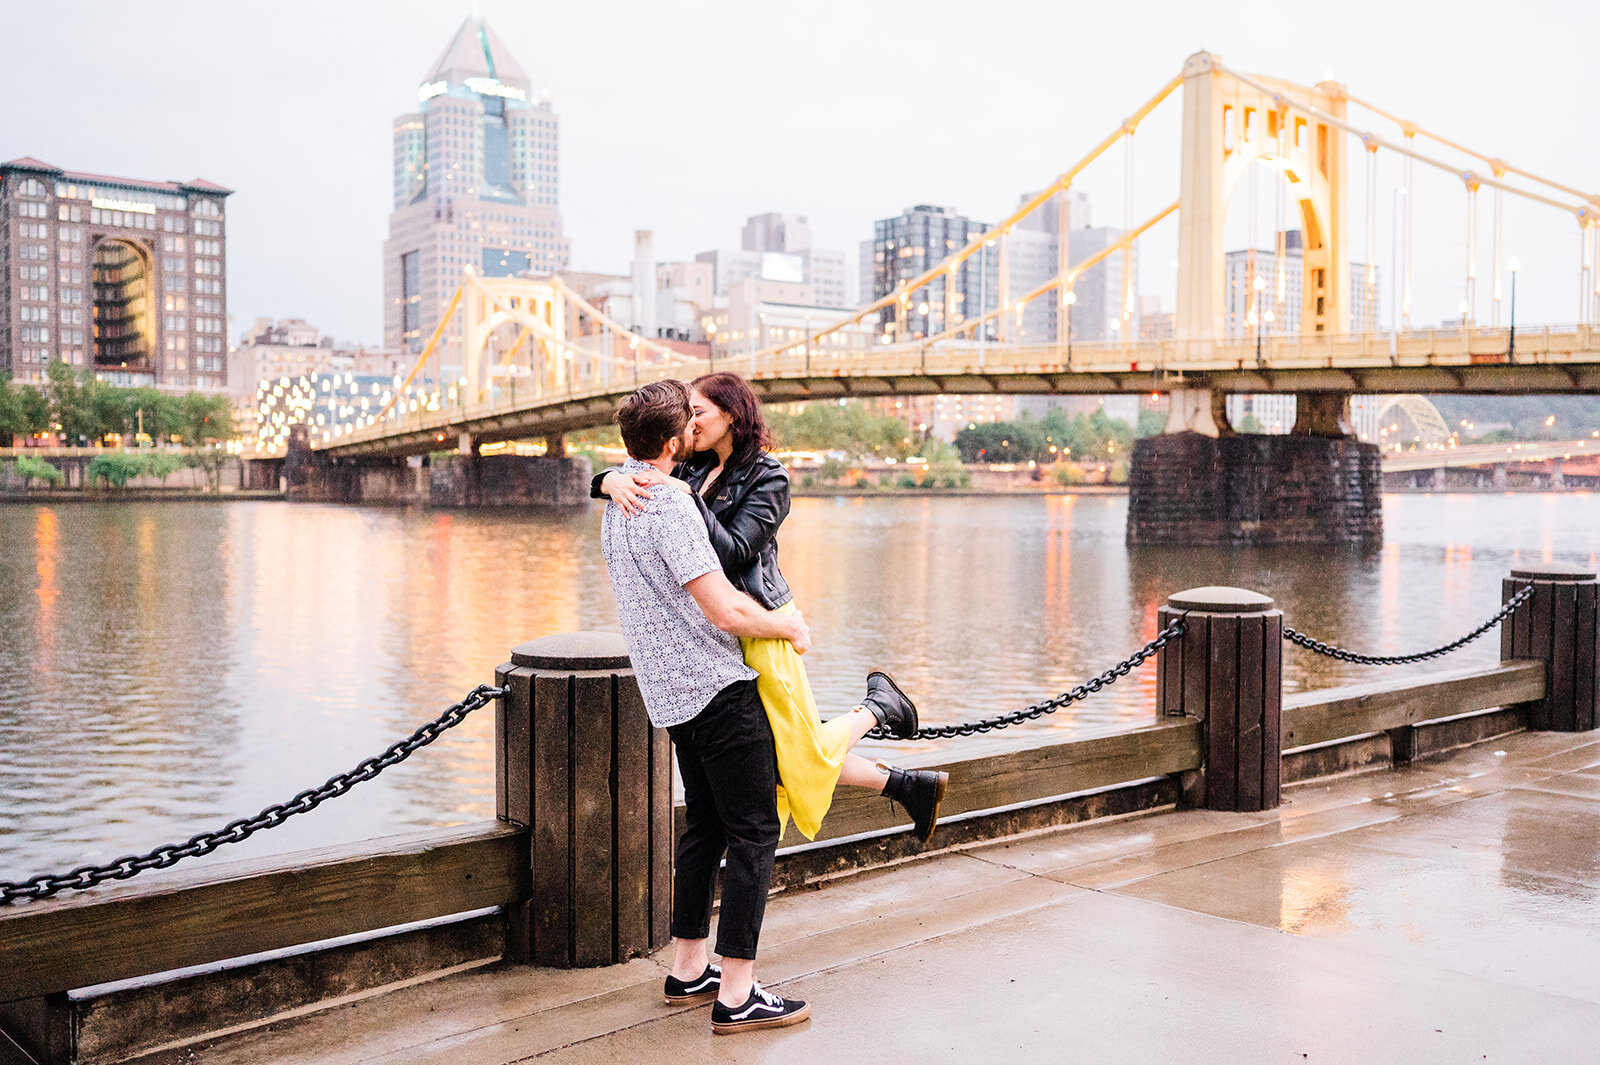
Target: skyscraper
476	186
1276	313
120	275
1279	310
919	238
777	247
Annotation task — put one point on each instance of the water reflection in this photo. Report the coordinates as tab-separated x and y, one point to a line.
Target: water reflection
110	718
166	667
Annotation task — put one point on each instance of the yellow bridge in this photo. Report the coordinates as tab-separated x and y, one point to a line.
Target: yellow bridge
537	359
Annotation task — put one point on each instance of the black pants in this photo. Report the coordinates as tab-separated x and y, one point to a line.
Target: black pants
730	780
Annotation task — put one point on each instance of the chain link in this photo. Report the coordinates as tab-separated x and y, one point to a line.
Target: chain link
1049	706
167	855
1421	656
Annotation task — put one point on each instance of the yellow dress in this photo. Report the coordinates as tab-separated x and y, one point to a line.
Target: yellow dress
810	753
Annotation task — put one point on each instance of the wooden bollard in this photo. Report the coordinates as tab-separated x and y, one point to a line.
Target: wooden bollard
579	764
1558	625
1227	671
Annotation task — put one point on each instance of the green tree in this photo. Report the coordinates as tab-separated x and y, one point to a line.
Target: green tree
69	403
162	464
1251	424
203	419
20	412
210	460
108	408
86	408
115	469
32	469
1151	423
10	412
1098	437
1016	441
152	412
851	428
832	470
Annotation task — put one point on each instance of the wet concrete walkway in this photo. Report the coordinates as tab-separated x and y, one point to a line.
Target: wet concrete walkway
1445	912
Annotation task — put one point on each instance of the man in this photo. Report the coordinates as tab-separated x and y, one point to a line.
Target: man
680	617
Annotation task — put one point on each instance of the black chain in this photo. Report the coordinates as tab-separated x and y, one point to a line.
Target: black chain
163	857
1049	706
88	876
1421	656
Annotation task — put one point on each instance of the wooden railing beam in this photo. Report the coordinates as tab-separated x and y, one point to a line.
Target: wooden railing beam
1357	709
236	909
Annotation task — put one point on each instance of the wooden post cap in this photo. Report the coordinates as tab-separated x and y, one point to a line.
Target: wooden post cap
1554	571
1217	600
573	650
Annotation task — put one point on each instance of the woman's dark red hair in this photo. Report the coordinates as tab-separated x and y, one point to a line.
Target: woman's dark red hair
734	398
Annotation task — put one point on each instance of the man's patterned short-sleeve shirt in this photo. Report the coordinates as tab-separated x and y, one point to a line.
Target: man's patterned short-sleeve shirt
680	658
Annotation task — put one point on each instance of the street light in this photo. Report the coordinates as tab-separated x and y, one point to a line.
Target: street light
1070	298
1394	261
1511	351
1260	286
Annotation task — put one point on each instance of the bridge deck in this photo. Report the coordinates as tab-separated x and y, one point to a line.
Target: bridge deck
1438	913
1561	360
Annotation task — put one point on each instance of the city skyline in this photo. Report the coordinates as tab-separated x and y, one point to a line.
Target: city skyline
639	138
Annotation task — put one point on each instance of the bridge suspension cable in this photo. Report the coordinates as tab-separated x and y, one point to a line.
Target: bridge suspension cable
427	349
1065	281
1063	181
1313	111
1411	129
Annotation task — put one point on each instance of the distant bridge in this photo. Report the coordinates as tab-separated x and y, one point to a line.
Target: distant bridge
1470	455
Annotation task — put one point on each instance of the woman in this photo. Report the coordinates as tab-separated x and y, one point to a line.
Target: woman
743	495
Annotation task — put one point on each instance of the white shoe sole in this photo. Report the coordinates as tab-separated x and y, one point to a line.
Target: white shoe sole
733	1027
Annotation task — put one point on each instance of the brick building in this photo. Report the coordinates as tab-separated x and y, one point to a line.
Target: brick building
124	276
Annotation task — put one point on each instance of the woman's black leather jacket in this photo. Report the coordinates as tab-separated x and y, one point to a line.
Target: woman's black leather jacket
747	504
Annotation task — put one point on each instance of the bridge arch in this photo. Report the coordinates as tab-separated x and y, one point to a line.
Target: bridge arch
1424	416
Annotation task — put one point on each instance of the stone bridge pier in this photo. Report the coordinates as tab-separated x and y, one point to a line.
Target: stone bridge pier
461	478
1202	483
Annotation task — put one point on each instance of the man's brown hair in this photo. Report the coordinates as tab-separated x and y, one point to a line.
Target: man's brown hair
654	414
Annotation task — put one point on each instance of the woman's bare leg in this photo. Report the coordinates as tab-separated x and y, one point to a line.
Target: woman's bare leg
858	771
861	773
861	722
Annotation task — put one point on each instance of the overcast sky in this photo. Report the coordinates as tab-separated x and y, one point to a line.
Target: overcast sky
684	118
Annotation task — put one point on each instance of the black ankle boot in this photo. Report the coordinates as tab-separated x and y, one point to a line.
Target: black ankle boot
919	791
889	706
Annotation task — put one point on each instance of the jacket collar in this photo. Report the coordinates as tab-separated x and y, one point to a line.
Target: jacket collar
696	466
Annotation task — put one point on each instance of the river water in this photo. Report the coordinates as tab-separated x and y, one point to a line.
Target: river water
167	667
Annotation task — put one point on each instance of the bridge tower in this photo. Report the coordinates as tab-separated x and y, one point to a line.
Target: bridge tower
1228	126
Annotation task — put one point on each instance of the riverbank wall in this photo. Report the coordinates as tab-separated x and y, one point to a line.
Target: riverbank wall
444	481
227	475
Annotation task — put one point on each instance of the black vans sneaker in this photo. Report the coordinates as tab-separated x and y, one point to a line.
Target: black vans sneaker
696	992
762	1009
